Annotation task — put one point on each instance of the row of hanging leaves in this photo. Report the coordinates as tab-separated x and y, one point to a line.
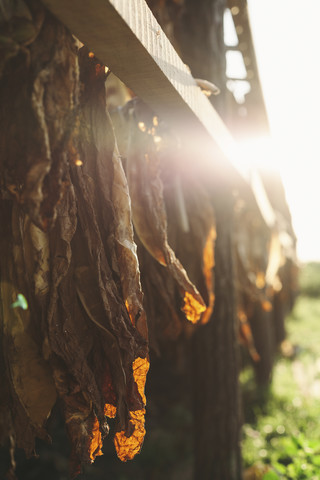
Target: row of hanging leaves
68	247
97	243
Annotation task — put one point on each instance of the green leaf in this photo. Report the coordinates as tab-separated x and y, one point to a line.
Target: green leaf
279	467
315	460
271	475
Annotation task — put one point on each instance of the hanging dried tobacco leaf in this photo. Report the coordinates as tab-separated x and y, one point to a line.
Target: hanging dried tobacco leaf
28	385
148	206
38	94
103	279
252	249
128	446
70	251
246	337
252	255
193	242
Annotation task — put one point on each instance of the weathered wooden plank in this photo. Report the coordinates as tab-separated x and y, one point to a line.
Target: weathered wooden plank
254	99
126	37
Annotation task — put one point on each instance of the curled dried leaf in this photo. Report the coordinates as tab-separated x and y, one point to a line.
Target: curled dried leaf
207	268
46	92
149	213
246	336
128	446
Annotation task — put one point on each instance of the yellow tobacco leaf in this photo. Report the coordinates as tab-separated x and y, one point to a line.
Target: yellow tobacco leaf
110	410
192	308
95	445
128	447
208	264
140	368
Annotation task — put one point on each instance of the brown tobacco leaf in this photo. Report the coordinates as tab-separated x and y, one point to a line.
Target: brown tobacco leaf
193	242
84	337
126	249
42	80
149	214
246	336
82	424
18	29
30	388
114	192
104	272
252	246
29	373
89	328
165	319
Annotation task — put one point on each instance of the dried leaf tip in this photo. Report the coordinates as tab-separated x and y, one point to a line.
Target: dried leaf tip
128	447
193	308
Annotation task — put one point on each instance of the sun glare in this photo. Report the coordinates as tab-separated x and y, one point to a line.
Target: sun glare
295	162
289	65
256	153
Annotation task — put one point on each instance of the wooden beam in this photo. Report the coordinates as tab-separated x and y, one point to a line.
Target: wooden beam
126	37
254	99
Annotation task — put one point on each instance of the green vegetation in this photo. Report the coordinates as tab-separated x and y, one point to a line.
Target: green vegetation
282	429
310	279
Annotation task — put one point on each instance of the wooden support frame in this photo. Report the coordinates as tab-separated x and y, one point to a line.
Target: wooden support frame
240	15
127	38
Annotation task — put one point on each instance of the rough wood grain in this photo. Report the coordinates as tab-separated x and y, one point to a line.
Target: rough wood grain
126	37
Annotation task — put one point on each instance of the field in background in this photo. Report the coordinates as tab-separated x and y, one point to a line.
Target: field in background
281	435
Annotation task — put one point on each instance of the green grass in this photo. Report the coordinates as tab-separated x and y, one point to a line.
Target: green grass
284	429
310	279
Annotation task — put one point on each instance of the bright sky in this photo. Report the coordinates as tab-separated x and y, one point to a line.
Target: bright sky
287	43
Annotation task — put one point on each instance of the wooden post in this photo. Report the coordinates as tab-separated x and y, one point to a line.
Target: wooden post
217	397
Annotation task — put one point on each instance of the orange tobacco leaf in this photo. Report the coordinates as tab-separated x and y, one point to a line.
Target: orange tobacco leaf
128	447
140	369
192	308
96	441
246	335
110	410
208	264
